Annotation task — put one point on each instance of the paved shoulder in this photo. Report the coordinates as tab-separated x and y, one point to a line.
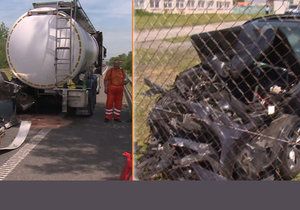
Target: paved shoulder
80	148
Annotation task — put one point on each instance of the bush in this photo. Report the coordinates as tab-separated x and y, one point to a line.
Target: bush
3	36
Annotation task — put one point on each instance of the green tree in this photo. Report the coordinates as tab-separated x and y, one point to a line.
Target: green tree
126	62
3	30
127	65
3	36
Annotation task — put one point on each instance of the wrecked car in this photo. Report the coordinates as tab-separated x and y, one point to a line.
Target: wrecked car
7	104
13	132
235	116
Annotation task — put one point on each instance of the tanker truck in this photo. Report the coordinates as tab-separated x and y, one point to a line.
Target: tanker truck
55	52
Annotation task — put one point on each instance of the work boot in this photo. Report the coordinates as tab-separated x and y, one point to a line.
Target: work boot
106	120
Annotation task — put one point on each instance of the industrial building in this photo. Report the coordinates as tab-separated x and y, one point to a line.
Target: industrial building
185	6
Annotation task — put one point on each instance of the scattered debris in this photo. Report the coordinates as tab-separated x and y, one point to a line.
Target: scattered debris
8	118
20	138
154	89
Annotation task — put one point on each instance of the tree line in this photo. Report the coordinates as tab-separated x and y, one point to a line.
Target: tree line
3	36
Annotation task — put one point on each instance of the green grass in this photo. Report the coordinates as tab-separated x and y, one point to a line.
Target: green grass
297	178
8	73
178	39
145	20
161	67
3	62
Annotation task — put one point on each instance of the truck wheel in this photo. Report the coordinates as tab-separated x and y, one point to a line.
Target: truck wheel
91	102
92	98
71	111
290	158
91	106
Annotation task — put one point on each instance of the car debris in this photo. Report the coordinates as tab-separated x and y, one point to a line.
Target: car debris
19	138
7	102
8	117
235	116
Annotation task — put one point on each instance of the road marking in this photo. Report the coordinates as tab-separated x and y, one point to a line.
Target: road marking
106	69
12	162
20	138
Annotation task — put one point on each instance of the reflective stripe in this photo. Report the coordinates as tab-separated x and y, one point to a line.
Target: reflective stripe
109	110
117	114
108	113
117	110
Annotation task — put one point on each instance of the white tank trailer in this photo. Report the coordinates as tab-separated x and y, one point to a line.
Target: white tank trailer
54	55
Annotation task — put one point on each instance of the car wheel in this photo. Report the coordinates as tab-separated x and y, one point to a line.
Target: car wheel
290	159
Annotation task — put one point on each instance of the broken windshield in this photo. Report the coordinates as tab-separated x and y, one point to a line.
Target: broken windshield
272	42
292	34
288	31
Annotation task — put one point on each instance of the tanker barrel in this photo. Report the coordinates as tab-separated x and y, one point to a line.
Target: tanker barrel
31	49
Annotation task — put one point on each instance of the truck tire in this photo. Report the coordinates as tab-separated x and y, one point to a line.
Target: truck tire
90	107
71	111
91	101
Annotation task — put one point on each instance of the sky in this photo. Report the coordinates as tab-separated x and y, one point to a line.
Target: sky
112	17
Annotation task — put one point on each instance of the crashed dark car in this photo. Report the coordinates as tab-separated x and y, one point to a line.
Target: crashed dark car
235	116
7	104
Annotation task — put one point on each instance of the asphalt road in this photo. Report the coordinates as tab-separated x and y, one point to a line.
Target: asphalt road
76	148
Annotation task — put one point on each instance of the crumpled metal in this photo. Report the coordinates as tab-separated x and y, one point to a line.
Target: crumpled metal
230	117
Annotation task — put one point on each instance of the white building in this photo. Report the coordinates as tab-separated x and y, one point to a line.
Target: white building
185	6
281	6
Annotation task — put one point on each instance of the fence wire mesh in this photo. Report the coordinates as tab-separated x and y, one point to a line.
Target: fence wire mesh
217	92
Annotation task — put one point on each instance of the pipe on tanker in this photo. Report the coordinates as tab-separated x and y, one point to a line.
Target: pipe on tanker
31	47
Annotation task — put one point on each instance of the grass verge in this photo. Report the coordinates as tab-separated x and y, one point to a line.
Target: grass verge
161	67
146	20
178	39
8	73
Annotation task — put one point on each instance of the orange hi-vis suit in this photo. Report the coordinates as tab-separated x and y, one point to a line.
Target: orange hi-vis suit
115	78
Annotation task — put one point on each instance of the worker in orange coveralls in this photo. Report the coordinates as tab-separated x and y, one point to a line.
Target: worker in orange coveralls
114	82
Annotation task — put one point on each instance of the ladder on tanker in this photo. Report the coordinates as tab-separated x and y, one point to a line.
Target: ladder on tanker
63	41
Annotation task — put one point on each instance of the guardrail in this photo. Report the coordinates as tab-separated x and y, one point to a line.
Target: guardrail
128	93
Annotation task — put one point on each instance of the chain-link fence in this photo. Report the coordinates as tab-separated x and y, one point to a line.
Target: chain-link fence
217	92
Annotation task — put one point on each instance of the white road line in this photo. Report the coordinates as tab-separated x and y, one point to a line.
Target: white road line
106	69
12	162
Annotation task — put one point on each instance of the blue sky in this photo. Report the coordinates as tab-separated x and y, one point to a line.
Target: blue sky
113	17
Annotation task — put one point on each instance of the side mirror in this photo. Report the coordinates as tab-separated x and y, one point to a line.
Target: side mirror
104	52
